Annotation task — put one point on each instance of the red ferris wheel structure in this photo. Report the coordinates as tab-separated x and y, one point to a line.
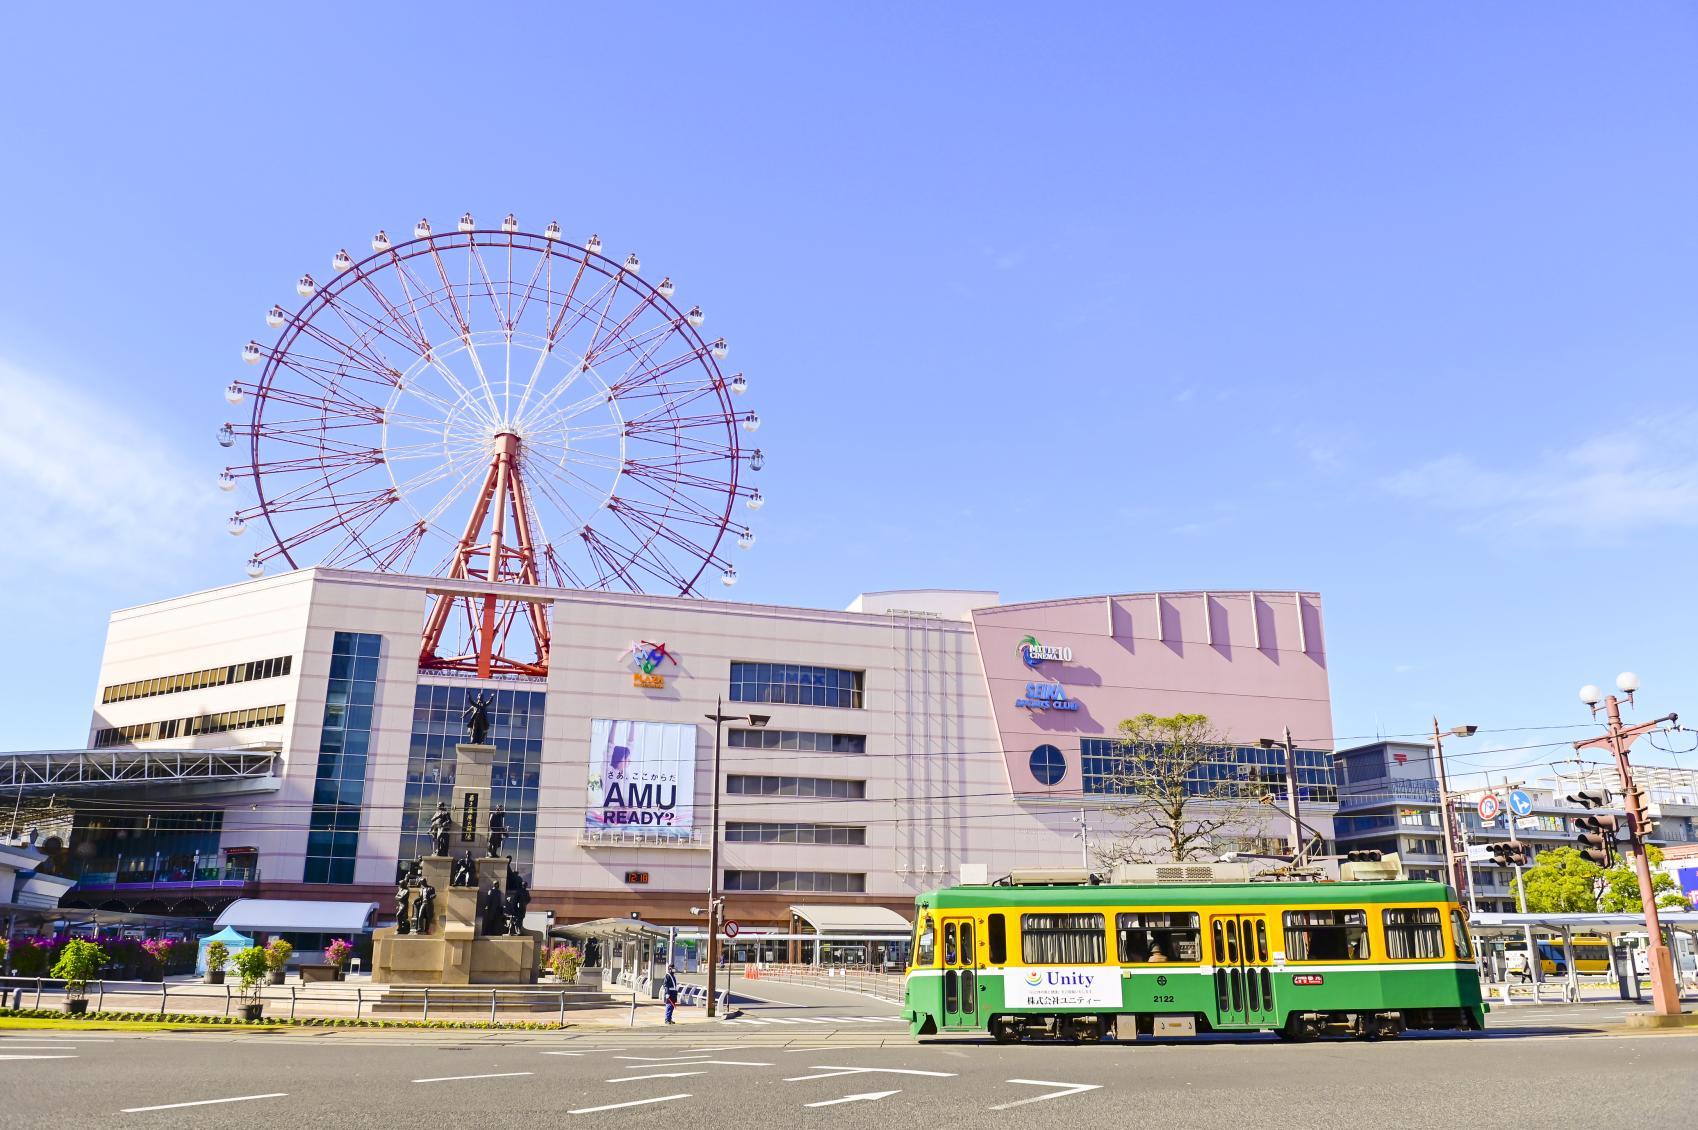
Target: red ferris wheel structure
489	405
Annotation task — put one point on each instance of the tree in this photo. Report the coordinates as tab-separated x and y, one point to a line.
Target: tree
1177	785
1621	895
1561	881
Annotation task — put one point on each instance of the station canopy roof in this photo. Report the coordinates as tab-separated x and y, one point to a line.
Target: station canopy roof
1583	923
610	928
297	915
834	920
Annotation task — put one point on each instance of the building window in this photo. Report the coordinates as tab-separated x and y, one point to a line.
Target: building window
1062	939
197	680
805	741
1103	761
1326	935
836	882
1157	937
223	722
755	784
515	730
795	685
333	837
1414	934
1048	766
840	835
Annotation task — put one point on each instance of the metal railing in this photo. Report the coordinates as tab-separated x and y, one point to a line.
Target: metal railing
320	1001
850	978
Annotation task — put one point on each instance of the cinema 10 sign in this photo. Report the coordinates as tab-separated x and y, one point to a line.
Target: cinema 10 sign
642	778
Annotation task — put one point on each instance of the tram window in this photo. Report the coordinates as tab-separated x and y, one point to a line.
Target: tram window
1414	933
968	955
1459	934
1261	940
1232	942
1326	935
925	947
949	943
1220	944
998	940
1158	937
1062	939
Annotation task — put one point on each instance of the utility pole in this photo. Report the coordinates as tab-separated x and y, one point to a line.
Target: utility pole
1665	991
1535	963
1459	876
716	902
1083	835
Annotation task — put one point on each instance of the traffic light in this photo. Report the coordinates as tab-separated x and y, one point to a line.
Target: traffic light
1366	855
1597	837
1509	855
1589	798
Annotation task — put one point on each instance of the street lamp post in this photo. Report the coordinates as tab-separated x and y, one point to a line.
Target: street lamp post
1459	876
716	904
1665	992
1292	809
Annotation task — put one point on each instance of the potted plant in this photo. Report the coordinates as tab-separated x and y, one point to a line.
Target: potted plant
217	957
253	967
338	953
277	953
79	962
563	961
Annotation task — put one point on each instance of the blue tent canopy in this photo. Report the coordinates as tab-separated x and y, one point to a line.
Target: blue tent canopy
229	937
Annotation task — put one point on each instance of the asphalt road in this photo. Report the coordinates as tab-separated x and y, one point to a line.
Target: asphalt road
847	1068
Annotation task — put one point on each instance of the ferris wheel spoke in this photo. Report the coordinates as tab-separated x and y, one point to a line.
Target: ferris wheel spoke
396	321
367	331
657	371
547	488
324	403
563	574
551	487
543	268
649	557
476	256
618	335
641	347
429	353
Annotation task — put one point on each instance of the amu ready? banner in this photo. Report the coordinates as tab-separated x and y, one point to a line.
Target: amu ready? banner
642	777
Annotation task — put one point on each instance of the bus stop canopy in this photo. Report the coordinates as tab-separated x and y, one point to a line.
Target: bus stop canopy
610	928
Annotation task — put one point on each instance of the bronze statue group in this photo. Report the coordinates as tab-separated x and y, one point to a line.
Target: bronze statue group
501	909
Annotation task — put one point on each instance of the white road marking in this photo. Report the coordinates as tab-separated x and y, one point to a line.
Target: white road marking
663	1058
457	1078
565	1053
660	1075
869	1096
10	1046
831	1071
203	1102
38	1057
1067	1089
620	1106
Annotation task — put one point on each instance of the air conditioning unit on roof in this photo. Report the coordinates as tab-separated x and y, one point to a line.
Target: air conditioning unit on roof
1146	874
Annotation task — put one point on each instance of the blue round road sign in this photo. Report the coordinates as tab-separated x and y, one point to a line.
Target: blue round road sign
1520	803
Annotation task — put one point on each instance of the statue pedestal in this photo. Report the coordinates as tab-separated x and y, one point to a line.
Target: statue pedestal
455	951
472	764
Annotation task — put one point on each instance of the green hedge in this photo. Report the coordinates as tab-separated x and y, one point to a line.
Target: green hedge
305	1022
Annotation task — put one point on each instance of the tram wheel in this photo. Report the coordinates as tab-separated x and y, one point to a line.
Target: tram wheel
1004	1031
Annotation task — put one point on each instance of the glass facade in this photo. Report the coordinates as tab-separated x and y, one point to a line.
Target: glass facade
805	741
1102	760
837	881
333	839
515	730
796	685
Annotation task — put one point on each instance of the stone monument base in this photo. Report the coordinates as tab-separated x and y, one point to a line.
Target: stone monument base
455	951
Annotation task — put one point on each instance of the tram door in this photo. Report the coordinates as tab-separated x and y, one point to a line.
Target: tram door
1243	974
960	973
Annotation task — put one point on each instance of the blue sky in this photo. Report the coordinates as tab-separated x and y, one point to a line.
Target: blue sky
1395	303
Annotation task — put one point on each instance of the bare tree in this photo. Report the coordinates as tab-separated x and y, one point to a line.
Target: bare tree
1177	786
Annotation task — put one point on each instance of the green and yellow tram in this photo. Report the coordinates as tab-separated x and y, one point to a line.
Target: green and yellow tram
1303	959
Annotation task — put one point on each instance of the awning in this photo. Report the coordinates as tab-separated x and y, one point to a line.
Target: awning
1580	923
836	920
297	915
610	928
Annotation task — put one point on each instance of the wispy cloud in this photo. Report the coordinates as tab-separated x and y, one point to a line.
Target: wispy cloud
88	490
1642	476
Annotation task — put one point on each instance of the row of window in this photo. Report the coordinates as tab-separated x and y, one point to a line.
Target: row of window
756	784
195	680
344	739
219	723
1146	937
749	832
804	741
793	684
837	882
1109	766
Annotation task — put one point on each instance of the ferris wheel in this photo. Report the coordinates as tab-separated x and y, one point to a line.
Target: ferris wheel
488	404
